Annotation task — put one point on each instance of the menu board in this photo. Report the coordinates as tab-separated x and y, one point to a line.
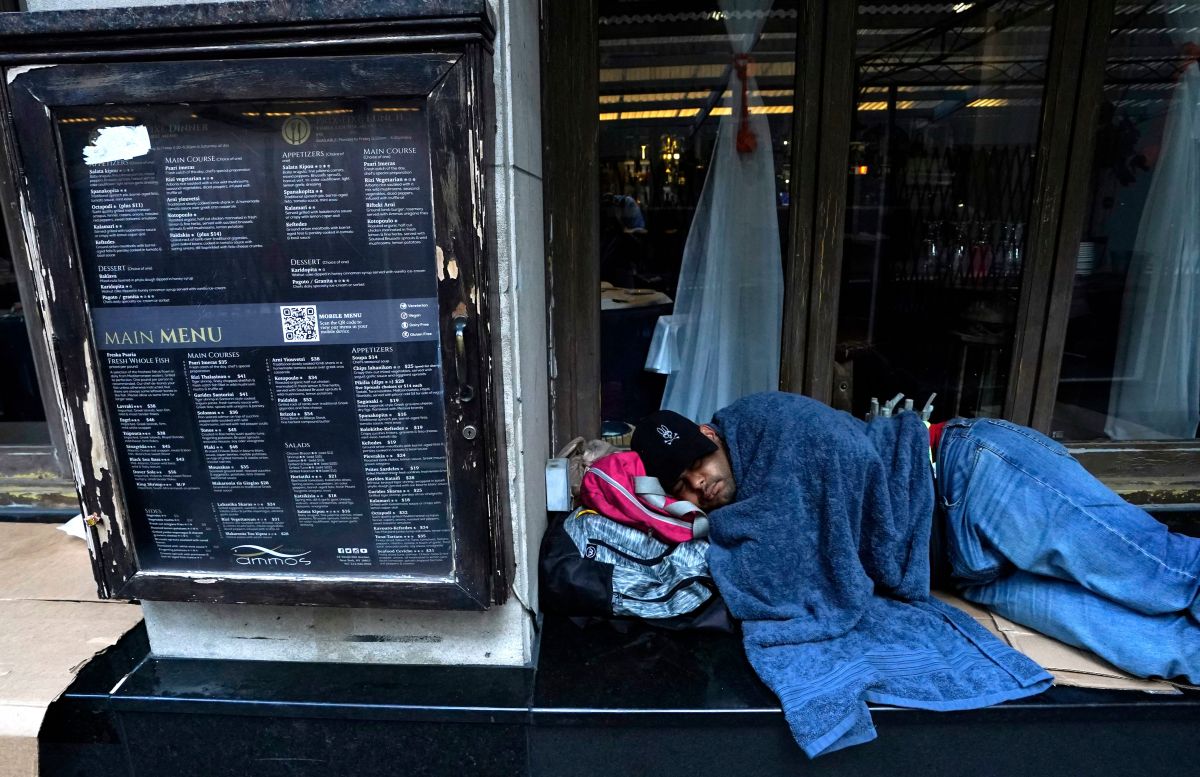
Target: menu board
262	291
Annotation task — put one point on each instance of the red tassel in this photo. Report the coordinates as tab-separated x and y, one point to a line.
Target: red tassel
747	141
1191	53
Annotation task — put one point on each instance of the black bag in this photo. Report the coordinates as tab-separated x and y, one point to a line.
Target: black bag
593	567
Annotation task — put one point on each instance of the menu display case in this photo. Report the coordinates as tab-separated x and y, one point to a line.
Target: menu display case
266	286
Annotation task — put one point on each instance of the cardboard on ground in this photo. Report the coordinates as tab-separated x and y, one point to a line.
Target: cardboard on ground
51	624
1069	665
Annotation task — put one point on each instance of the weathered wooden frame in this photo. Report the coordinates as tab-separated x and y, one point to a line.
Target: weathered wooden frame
455	80
570	191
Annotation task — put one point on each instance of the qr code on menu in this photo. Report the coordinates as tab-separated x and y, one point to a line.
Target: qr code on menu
300	323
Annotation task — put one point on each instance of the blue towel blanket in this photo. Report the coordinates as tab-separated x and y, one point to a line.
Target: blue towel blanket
825	557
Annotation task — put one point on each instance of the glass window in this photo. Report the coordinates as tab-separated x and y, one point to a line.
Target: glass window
22	418
1131	360
667	80
941	181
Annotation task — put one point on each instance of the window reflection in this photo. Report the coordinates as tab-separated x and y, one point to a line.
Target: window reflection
664	87
22	419
941	180
1131	361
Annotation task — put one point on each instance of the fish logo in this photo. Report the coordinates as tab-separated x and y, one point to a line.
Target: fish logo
257	555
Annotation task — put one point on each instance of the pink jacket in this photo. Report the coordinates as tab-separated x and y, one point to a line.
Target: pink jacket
617	487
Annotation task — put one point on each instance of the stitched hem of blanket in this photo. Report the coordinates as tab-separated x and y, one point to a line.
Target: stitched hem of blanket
883	666
834	737
954	705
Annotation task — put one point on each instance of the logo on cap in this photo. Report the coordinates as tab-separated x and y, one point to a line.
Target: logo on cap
667	435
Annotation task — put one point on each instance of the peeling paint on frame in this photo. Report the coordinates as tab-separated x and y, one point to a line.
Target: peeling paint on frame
89	488
14	72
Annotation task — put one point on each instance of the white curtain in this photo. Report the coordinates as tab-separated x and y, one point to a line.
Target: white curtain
1156	386
730	298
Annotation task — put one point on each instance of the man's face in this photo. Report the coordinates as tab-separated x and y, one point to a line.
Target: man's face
708	483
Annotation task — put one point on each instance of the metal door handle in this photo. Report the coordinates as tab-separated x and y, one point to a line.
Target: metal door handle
465	391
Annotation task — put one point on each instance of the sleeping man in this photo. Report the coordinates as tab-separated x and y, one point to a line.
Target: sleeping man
821	525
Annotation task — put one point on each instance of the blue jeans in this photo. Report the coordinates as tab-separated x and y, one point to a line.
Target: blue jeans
1032	535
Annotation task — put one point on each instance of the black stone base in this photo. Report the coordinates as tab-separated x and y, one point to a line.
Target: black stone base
601	702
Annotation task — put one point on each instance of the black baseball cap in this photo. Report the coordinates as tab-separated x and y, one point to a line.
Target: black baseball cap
668	444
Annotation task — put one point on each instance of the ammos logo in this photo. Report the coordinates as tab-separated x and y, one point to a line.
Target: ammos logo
258	556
